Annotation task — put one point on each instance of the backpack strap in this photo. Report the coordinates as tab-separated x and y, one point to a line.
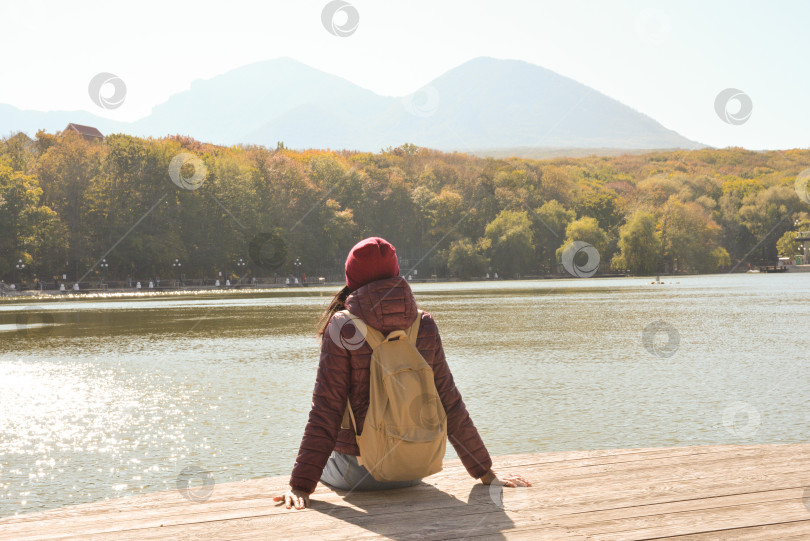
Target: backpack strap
413	332
349	414
374	339
372	335
344	423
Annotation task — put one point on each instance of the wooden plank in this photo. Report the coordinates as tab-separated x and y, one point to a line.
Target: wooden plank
787	531
662	483
452	469
695	522
678	506
180	506
428	525
581	495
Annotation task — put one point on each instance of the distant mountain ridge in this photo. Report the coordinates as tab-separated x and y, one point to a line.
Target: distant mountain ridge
485	103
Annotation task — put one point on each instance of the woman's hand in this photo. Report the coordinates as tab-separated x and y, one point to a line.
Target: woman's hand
294	497
490	478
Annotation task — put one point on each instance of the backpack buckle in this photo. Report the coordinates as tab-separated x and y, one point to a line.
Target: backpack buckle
395	335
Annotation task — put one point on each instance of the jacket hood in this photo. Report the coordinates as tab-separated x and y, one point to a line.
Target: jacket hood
386	305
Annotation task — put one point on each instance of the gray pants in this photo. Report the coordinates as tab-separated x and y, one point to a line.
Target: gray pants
344	473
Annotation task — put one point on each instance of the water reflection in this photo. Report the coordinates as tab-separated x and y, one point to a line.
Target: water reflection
107	397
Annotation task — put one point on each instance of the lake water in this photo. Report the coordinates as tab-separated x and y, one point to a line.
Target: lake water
108	398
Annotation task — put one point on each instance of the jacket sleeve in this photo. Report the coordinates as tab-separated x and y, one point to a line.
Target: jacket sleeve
460	429
328	404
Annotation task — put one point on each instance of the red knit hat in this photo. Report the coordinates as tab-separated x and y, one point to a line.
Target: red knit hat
371	259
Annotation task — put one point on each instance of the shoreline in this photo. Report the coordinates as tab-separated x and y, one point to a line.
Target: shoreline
292	290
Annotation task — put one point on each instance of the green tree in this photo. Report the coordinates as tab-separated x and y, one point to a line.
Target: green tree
787	245
768	214
549	223
586	229
602	206
466	260
690	238
31	231
639	245
510	234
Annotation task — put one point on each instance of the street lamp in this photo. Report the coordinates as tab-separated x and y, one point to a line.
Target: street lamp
240	265
19	266
177	265
104	266
298	265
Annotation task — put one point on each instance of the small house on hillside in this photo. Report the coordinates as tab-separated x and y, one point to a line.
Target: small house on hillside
88	132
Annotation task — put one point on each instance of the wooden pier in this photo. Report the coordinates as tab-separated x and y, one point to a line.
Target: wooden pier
757	492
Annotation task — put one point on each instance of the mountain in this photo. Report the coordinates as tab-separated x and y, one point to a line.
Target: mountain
485	103
509	103
13	120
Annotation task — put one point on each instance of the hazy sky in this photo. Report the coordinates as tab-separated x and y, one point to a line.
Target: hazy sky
666	59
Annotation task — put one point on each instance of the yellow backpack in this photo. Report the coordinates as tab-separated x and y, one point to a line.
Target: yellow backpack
405	430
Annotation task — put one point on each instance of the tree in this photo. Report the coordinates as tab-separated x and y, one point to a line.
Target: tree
511	236
555	184
768	213
465	259
447	209
21	152
63	193
602	206
31	231
690	238
549	224
639	245
586	229
787	245
65	171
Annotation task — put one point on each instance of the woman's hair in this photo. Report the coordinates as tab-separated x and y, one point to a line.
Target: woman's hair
338	303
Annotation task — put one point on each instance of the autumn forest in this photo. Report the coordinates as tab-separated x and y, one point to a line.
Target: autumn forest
66	203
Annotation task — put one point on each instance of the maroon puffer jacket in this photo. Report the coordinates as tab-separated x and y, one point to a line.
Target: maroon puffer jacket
385	305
